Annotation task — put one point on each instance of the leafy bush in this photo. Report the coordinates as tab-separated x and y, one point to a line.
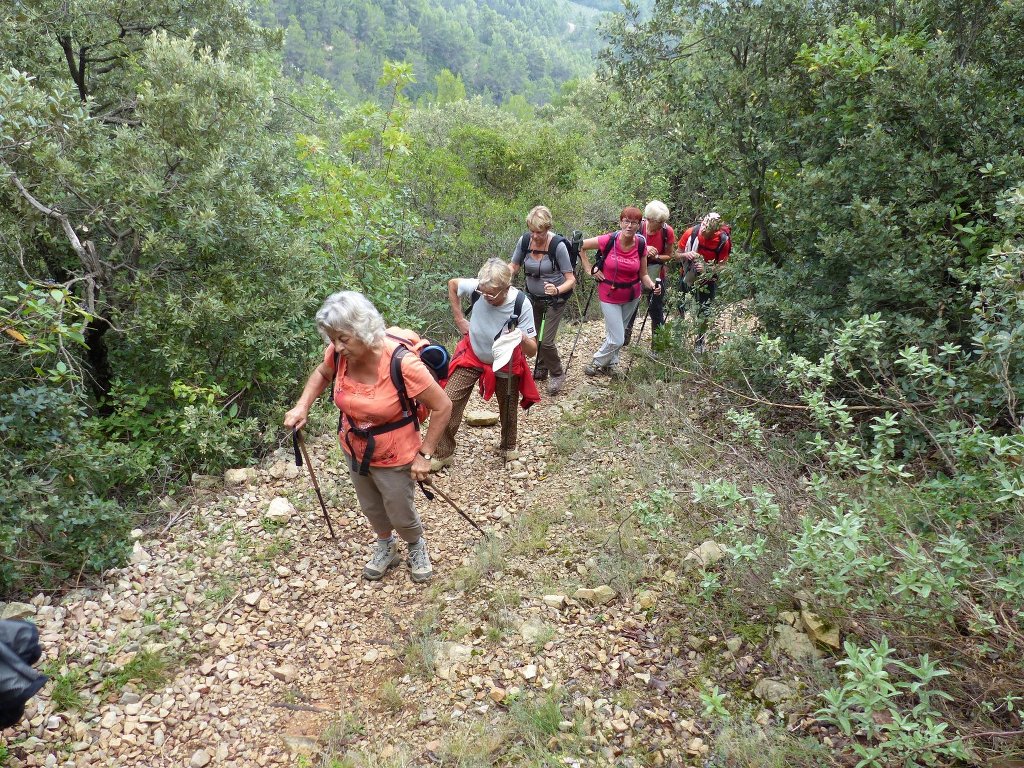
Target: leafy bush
57	514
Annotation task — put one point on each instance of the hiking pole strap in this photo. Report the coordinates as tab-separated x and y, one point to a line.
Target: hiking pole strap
300	453
446	497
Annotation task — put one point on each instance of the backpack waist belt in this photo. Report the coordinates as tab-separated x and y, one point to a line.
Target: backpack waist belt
614	284
363	467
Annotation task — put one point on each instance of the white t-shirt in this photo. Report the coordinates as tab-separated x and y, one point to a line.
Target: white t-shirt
486	319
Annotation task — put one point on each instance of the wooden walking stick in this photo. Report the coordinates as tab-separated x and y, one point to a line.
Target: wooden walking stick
300	453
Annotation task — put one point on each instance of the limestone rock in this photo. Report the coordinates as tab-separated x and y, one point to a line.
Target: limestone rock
286	672
280	510
284	470
448	655
819	631
497	695
533	629
646	599
773	691
241	476
555	601
583	593
253	598
300	745
200	758
481	418
794	643
140	555
17	611
205	482
603	594
708	553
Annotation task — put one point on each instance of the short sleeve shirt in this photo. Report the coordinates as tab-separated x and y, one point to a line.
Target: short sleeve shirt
486	320
372	405
539	271
661	240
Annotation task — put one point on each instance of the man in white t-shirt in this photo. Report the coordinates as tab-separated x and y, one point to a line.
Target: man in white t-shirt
498	310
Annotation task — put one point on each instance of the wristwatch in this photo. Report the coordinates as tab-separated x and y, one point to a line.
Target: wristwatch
427	456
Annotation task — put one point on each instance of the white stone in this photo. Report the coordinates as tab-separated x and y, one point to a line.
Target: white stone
280	510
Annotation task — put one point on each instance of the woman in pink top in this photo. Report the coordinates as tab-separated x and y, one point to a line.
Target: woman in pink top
620	270
357	361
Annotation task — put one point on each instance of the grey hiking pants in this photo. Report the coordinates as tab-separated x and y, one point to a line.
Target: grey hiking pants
386	497
615	318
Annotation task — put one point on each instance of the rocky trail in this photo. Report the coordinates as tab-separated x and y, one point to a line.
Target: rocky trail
241	635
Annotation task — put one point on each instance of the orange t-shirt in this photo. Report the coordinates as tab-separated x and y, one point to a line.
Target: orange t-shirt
371	405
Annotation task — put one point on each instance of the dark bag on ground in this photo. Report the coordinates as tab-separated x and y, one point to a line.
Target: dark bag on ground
19	650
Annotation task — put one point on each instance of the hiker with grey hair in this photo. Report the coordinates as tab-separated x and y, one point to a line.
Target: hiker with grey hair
544	258
703	249
386	453
496	339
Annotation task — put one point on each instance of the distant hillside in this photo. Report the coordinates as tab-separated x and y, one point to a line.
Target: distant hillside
497	47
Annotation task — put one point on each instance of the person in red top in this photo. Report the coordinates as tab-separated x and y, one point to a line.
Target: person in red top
357	361
620	270
703	249
661	249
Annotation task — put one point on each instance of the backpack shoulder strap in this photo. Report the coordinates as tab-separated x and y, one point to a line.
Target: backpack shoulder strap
723	240
599	262
524	244
398	381
692	242
518	311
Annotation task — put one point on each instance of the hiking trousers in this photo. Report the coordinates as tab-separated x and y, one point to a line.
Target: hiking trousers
615	318
657	312
386	497
547	353
459	388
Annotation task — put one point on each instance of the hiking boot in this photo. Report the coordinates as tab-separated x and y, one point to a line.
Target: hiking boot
593	369
419	561
510	454
385	555
436	465
541	374
556	384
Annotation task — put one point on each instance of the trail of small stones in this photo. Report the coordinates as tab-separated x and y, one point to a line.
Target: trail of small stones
273	636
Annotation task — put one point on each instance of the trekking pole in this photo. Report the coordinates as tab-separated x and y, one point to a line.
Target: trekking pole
640	336
540	338
430	497
300	453
583	318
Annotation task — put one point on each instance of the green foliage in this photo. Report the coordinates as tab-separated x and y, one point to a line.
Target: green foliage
889	704
823	134
147	669
56	475
494	48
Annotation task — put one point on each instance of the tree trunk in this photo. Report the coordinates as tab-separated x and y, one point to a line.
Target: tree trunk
101	375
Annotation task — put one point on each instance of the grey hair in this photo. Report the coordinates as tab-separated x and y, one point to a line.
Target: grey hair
656	211
495	273
352	313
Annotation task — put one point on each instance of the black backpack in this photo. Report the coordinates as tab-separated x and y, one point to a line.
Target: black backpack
513	319
641	247
572	246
